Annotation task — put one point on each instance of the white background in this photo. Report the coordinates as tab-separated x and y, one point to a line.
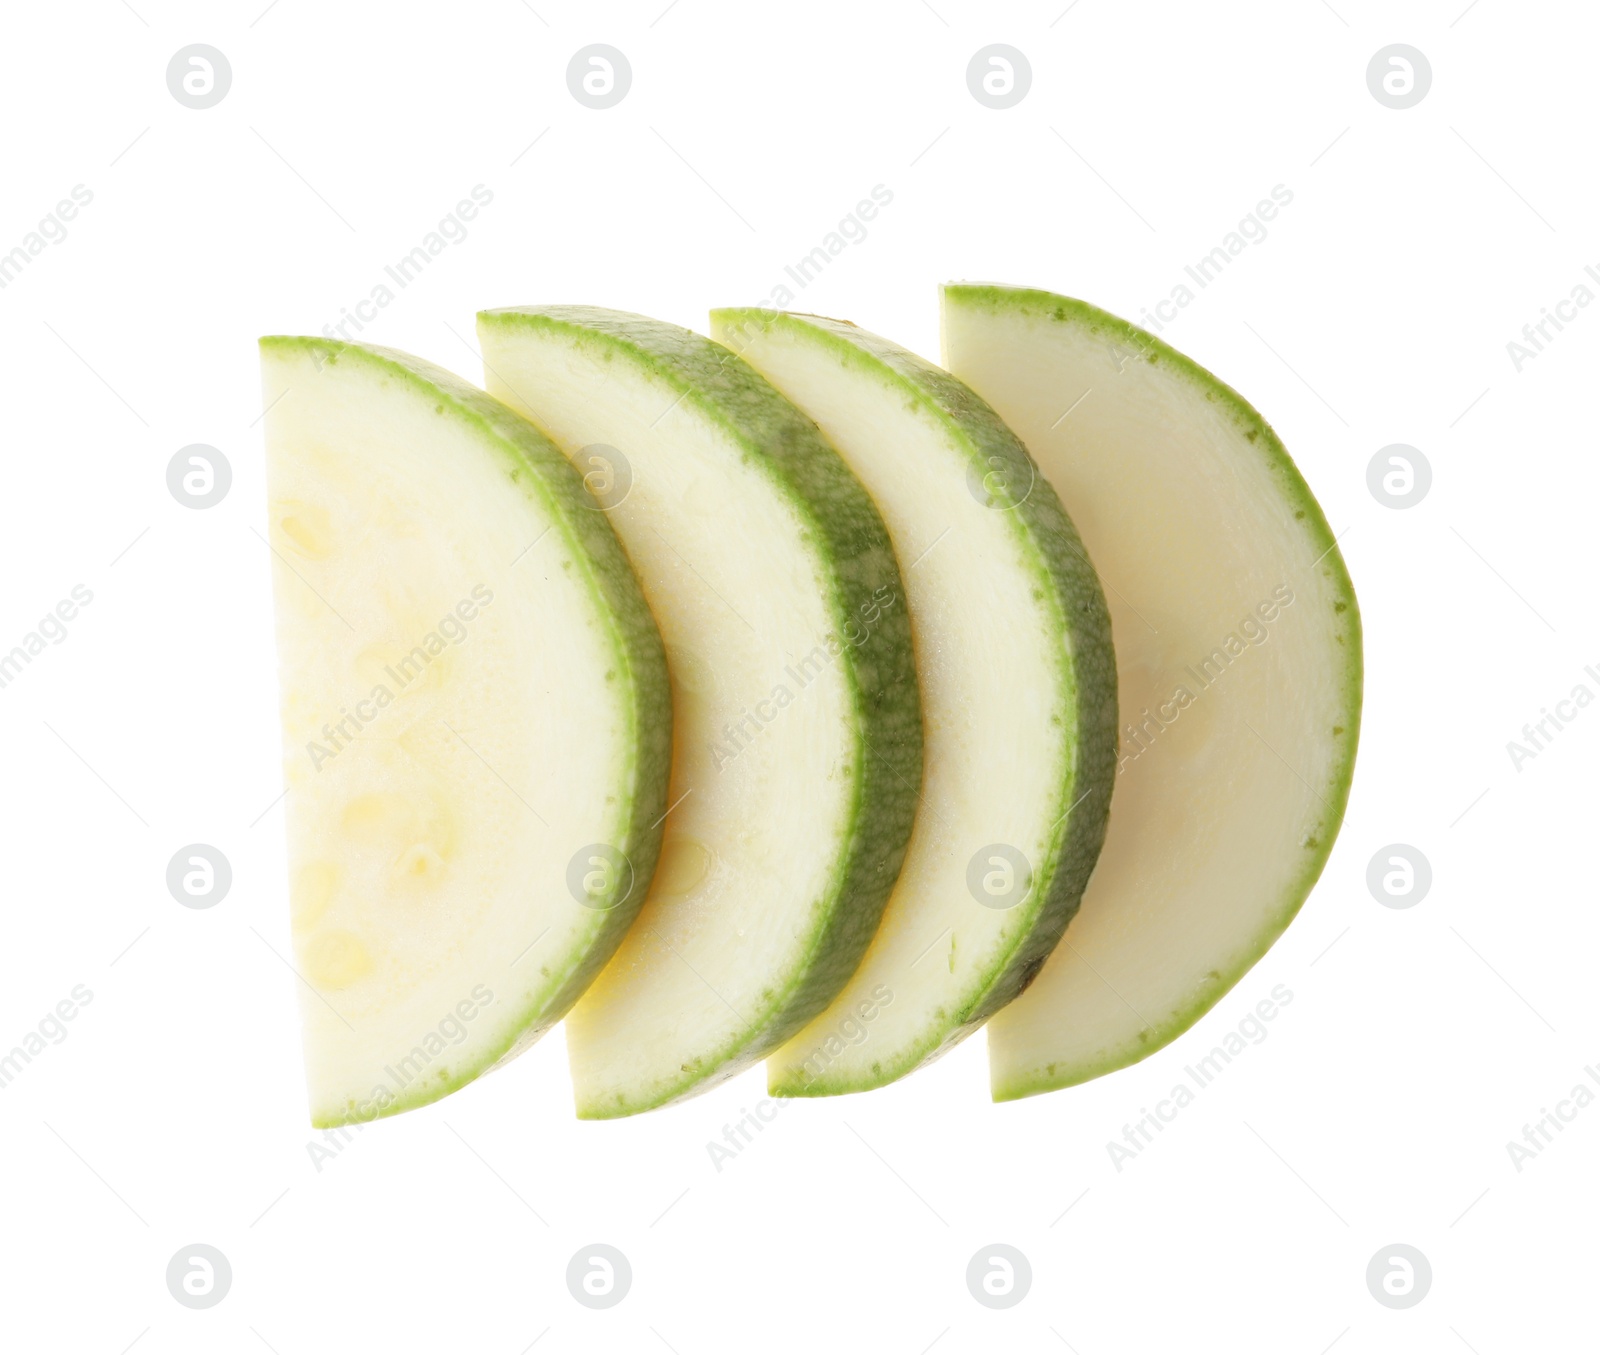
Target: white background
1378	310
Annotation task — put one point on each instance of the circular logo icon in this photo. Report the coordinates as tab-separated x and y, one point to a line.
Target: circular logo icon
1399	476
599	1276
1399	1276
599	76
1399	876
1000	482
599	876
199	876
999	1276
999	876
199	1276
999	76
199	76
606	474
1399	76
199	476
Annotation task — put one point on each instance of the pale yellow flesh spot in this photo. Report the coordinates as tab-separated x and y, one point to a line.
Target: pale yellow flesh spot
685	862
314	888
335	959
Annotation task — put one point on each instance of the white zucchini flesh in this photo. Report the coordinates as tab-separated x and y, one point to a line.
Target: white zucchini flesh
1018	687
1239	657
473	696
798	747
